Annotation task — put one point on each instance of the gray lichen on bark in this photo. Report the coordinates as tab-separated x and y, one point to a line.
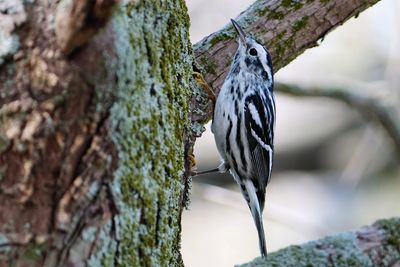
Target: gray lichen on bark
375	245
100	175
150	124
12	15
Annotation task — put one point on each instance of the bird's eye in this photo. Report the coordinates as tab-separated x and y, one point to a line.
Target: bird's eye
253	52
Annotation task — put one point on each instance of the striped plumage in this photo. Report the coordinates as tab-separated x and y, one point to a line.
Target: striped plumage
243	124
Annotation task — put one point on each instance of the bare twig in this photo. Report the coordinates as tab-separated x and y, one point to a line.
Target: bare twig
366	105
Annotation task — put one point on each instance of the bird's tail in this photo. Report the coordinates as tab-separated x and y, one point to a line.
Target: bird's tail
261	235
256	212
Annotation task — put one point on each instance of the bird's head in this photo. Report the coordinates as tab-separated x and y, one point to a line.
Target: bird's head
252	56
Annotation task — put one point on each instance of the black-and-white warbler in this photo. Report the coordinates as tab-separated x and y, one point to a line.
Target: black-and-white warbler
243	124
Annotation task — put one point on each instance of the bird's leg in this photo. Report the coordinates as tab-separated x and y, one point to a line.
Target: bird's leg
223	167
207	171
200	80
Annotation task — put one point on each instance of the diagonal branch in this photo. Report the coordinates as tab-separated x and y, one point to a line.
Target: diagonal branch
366	105
287	27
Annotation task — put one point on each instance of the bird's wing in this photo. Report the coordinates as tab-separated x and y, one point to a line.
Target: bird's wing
259	120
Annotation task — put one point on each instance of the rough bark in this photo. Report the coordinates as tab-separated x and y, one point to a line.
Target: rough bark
375	245
92	140
286	27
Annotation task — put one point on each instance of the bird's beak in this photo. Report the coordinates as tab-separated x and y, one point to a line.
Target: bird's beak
240	31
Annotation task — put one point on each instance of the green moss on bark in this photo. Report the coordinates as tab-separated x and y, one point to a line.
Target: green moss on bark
224	36
342	250
392	228
390	252
296	4
149	119
310	254
300	24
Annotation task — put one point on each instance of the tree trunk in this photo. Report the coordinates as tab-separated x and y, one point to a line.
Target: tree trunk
92	132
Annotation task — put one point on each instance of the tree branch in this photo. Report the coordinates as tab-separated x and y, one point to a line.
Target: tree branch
375	245
366	105
287	27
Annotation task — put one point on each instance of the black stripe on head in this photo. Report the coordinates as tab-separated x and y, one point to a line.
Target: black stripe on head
255	65
264	75
248	62
253	62
258	64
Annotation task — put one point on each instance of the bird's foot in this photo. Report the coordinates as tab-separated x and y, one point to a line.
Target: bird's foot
202	82
223	167
192	165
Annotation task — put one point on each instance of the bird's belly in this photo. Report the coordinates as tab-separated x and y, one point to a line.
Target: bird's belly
220	129
225	126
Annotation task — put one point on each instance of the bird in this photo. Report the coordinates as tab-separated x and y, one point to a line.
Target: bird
243	124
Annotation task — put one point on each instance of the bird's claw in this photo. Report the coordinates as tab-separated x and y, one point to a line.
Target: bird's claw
192	165
202	82
223	167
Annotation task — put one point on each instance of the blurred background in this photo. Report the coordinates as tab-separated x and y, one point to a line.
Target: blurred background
334	170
